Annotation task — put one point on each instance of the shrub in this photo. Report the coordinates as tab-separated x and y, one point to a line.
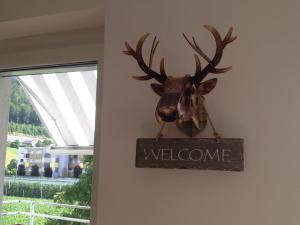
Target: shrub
12	172
47	142
12	165
39	144
48	172
35	171
82	197
6	171
31	190
77	171
11	168
44	143
60	197
21	170
15	144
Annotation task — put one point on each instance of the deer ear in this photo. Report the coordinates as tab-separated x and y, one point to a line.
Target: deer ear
207	86
158	89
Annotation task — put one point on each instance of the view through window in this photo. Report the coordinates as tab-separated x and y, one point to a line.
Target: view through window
49	156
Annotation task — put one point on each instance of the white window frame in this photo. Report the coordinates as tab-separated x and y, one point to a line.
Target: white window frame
79	53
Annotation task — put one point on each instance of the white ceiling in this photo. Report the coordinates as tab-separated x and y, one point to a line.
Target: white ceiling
37	18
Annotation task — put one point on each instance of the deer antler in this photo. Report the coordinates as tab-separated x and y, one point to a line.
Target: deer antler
220	45
137	54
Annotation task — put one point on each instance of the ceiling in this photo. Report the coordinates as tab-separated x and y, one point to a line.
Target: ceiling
38	17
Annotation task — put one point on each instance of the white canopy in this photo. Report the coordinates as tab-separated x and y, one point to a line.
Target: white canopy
65	103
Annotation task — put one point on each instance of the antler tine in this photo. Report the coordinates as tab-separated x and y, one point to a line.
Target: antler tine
199	50
153	49
220	45
189	42
129	51
162	67
198	64
228	39
196	47
137	54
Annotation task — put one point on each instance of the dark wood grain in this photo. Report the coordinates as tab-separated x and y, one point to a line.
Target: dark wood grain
209	154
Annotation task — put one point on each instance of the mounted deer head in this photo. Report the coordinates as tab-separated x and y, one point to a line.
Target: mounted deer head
181	98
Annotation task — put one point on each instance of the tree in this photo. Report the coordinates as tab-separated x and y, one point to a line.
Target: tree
35	171
44	143
15	144
47	142
22	117
48	172
39	144
33	130
21	170
21	111
12	172
12	165
11	168
77	171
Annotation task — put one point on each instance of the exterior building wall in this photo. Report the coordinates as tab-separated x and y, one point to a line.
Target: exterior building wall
62	165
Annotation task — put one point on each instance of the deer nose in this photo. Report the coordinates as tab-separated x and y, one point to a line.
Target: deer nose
167	107
167	113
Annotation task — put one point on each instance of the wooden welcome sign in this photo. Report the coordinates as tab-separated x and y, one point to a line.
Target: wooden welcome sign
224	154
182	101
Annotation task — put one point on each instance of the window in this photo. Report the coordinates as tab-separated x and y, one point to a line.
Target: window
64	102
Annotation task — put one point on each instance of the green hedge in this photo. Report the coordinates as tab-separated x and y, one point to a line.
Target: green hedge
31	190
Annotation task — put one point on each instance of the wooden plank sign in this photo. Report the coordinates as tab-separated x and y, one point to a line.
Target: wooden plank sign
188	153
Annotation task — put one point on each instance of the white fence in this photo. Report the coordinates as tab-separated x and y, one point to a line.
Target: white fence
32	215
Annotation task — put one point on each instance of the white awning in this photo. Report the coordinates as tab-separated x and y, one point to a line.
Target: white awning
65	103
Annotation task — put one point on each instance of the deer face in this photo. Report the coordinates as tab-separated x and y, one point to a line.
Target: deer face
171	92
181	97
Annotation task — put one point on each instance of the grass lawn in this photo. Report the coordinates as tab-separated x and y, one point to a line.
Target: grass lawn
24	207
11	153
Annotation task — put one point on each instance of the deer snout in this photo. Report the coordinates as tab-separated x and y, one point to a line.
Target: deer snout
167	113
167	107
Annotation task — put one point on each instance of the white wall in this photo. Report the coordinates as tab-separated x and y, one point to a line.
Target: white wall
258	101
4	109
